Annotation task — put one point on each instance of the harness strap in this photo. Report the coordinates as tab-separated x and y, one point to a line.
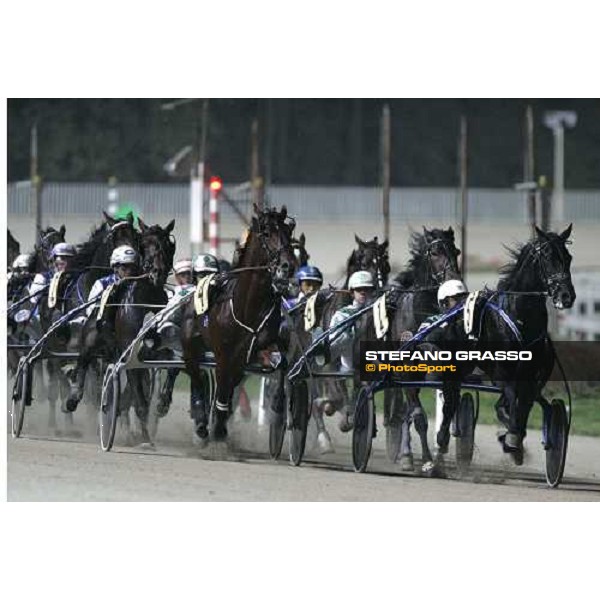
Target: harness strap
254	332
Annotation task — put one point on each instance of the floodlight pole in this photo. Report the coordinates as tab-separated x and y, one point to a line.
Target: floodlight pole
557	121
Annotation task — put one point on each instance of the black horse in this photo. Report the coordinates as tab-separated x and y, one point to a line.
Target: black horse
243	319
433	260
540	269
333	395
90	262
13	248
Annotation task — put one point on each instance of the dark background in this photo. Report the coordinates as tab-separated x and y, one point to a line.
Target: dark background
302	141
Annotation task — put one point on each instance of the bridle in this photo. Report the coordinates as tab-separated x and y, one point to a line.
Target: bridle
439	276
555	280
164	245
279	275
379	261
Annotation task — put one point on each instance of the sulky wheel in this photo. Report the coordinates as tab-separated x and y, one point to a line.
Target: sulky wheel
21	396
299	414
363	431
109	407
465	430
557	437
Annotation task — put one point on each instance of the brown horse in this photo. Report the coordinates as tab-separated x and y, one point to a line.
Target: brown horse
243	318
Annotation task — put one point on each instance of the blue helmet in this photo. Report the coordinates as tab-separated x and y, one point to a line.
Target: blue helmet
309	273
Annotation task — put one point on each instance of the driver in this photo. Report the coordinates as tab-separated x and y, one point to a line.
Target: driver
62	256
450	293
123	260
341	342
310	280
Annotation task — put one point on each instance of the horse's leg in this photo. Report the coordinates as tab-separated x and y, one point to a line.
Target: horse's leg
77	374
52	394
199	400
166	393
419	419
228	374
406	459
520	397
323	438
140	384
451	391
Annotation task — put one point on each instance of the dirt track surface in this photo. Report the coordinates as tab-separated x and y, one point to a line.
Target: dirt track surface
42	466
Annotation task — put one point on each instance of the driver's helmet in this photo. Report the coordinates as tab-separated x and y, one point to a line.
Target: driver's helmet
206	263
182	266
360	279
123	255
308	273
449	289
22	262
63	249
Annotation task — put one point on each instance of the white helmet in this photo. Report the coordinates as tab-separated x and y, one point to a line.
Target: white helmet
182	266
123	255
450	288
360	279
206	263
22	261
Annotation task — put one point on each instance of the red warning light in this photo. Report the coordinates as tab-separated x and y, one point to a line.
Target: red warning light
216	184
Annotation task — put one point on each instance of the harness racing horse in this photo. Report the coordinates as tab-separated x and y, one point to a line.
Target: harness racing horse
243	317
137	297
370	256
13	248
92	262
540	269
433	260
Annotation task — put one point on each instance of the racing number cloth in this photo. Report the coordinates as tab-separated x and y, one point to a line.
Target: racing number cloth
380	317
53	290
104	300
201	294
310	314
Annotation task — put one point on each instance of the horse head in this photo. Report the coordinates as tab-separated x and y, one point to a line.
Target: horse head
157	248
435	253
49	237
121	232
554	263
274	231
299	246
370	256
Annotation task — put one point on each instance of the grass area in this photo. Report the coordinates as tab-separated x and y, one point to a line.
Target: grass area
585	417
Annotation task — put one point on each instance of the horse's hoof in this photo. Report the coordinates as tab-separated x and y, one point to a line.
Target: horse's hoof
147	446
407	462
427	467
438	470
162	408
347	423
443	441
324	441
70	405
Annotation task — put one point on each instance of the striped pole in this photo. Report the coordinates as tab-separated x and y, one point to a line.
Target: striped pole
213	227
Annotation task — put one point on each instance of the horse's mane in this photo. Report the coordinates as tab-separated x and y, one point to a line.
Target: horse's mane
87	250
417	244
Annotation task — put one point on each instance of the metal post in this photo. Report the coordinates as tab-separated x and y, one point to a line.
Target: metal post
213	227
196	248
529	169
557	121
36	183
386	135
113	197
464	198
559	173
257	196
